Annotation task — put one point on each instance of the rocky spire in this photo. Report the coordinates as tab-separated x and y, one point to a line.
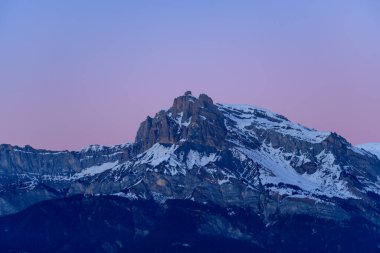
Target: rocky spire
190	119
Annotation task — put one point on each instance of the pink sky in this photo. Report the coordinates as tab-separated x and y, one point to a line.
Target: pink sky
73	74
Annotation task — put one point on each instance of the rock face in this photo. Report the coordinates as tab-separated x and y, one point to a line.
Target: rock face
28	176
228	156
189	119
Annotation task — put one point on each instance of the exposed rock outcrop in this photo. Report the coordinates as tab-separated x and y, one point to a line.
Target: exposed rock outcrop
190	119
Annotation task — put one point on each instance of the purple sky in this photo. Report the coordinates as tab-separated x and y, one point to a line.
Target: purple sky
74	73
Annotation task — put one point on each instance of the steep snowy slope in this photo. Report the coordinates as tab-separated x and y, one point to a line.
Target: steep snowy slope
373	148
248	116
279	163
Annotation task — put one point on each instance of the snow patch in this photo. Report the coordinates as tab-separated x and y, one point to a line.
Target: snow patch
99	148
158	154
373	148
93	148
91	171
246	115
128	195
194	158
277	171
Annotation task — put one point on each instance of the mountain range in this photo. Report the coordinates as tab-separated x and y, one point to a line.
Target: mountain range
200	177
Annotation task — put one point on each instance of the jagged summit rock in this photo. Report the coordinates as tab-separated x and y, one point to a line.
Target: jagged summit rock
188	93
190	119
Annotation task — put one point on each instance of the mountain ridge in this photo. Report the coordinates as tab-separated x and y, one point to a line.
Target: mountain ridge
262	136
230	156
373	148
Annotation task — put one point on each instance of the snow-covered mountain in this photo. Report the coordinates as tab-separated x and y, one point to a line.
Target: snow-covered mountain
373	148
232	156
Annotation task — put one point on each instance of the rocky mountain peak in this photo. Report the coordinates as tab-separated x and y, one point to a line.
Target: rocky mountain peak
188	102
233	157
190	119
5	147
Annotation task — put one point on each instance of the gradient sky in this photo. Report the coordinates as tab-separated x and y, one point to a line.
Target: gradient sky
74	73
